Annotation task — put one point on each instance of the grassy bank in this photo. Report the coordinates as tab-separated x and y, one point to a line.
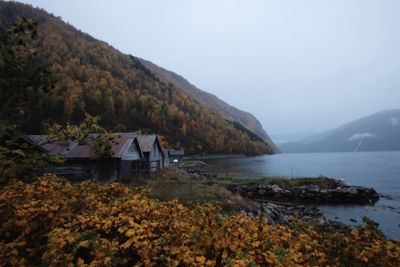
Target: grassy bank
173	183
281	181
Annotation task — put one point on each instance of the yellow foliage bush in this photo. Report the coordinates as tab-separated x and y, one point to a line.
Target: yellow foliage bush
52	222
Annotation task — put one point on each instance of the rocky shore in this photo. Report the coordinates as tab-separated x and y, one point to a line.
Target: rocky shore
281	212
336	193
280	202
196	168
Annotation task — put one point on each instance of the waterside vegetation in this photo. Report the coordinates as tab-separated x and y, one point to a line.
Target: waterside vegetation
54	222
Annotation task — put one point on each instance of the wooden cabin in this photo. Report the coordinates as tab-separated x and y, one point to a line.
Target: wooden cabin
153	152
124	164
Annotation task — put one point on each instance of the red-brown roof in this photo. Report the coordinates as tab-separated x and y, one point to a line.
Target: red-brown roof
74	150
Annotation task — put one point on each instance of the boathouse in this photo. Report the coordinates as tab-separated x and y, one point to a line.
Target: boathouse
125	163
152	152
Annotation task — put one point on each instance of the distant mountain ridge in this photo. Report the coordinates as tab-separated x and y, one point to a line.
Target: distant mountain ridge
377	132
129	93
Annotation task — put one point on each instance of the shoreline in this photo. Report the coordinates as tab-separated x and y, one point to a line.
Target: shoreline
280	204
214	156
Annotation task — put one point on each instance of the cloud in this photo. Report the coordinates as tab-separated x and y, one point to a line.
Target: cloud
394	121
359	136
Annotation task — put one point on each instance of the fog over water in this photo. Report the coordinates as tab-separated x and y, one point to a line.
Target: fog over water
298	66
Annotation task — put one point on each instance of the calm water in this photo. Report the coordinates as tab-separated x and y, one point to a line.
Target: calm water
380	170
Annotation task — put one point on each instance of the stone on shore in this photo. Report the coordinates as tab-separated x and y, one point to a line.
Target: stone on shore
313	194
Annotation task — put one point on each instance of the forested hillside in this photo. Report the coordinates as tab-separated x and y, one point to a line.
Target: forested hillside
215	104
96	78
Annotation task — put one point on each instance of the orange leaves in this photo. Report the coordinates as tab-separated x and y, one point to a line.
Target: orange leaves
84	244
112	225
127	244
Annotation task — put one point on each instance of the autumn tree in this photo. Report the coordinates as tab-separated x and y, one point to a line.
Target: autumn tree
24	77
89	132
24	80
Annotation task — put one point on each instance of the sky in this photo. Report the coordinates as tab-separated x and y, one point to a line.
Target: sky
299	66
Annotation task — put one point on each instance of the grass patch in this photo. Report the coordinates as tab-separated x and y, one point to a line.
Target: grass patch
190	190
185	190
172	184
281	181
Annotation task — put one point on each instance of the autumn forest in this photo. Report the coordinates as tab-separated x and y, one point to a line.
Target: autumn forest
91	76
58	81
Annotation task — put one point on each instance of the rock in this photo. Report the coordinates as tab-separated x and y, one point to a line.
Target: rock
322	220
316	194
251	214
270	220
261	192
262	186
351	190
310	195
249	194
276	188
386	196
288	192
282	213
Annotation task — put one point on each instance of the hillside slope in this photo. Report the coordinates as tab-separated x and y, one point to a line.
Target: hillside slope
96	78
211	101
377	132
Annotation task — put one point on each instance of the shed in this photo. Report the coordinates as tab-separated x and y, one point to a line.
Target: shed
176	154
152	151
122	165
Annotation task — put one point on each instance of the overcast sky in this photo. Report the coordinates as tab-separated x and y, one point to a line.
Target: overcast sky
298	66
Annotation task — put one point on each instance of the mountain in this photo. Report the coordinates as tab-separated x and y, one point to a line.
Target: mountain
377	132
215	104
129	93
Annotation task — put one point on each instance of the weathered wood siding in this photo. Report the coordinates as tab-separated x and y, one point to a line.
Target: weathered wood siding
106	170
165	161
155	158
130	162
73	171
132	153
98	171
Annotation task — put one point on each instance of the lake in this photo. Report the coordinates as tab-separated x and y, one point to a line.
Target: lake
380	170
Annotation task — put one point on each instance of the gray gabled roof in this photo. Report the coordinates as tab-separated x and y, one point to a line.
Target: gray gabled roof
176	152
146	141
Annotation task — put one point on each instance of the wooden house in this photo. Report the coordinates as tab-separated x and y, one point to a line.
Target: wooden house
153	152
124	164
